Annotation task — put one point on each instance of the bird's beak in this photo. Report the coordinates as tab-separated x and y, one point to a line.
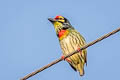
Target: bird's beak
51	20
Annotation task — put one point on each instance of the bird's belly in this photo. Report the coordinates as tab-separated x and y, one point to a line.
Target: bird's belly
67	45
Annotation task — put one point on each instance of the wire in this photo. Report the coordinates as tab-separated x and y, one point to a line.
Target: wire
60	59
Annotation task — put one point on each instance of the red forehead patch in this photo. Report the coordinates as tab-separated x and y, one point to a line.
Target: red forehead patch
57	17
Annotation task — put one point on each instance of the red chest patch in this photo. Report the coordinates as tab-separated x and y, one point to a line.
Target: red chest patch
61	33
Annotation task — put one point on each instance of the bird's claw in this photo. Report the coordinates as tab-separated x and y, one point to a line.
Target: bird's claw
68	60
79	50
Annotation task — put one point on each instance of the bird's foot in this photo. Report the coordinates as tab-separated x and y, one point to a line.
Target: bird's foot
79	50
63	57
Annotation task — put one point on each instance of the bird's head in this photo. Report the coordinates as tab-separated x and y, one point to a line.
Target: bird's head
60	23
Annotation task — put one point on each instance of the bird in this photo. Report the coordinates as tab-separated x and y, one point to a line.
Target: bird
70	40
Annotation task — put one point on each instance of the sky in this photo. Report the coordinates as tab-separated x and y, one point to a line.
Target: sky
28	40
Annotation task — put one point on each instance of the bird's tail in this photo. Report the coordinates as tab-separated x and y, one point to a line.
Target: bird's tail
81	69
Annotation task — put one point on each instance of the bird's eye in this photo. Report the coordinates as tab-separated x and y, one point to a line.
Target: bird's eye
61	18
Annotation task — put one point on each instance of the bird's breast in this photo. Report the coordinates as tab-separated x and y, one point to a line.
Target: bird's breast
62	34
67	45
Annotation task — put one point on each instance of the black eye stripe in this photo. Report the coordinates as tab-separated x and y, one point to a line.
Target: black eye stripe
61	18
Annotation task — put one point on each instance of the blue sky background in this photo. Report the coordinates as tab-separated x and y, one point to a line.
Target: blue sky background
28	40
